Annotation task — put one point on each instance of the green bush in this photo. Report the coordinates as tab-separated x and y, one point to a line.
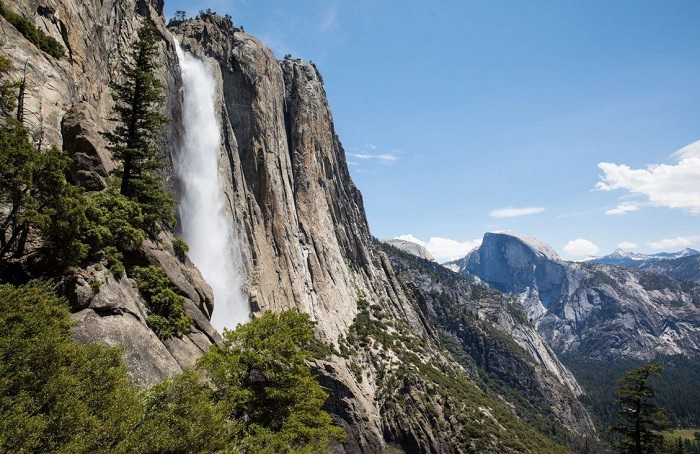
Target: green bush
168	316
57	395
181	249
36	36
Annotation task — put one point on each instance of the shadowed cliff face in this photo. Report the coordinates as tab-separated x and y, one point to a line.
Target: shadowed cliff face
594	310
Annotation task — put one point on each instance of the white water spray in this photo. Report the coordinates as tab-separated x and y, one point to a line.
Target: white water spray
204	225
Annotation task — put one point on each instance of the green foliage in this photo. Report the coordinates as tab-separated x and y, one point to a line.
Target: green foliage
676	391
168	316
18	163
640	417
36	36
34	187
181	249
260	377
139	124
178	18
118	221
57	395
182	416
7	88
60	213
600	278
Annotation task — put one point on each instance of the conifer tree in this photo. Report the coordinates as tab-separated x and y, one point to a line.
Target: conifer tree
34	189
641	418
260	377
139	124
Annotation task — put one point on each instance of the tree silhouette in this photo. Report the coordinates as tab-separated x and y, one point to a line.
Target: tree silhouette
641	418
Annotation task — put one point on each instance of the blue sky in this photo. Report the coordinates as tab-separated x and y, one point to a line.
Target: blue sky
556	119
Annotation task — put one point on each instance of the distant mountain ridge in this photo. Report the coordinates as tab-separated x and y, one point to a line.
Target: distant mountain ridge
635	260
682	265
591	310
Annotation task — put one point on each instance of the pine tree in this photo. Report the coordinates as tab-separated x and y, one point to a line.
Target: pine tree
260	377
641	418
139	124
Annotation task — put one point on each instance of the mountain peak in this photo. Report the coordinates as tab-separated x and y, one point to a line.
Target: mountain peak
411	247
619	253
538	247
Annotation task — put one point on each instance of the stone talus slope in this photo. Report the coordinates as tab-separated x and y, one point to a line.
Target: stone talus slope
68	105
593	310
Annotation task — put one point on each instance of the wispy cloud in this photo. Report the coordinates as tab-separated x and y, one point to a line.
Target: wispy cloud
382	157
664	185
444	249
510	212
622	209
329	20
581	248
674	243
371	153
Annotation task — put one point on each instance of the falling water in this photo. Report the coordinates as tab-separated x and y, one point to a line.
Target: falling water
203	222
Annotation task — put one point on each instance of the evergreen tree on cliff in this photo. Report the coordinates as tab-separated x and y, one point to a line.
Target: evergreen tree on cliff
139	123
641	418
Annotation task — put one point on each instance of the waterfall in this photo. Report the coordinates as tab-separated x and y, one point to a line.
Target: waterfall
203	222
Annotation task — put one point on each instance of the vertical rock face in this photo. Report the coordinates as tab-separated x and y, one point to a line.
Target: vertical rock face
306	241
594	310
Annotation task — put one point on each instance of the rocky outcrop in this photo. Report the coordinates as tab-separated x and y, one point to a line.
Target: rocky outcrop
594	310
683	265
111	310
686	268
411	247
305	238
306	244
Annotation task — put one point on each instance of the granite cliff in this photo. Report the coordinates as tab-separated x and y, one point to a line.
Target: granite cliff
303	240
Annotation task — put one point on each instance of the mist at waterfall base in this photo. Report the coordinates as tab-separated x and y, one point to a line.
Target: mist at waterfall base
203	223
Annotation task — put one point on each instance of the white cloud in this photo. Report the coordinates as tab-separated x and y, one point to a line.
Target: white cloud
444	249
627	245
671	243
510	212
382	157
664	185
623	209
581	248
370	152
